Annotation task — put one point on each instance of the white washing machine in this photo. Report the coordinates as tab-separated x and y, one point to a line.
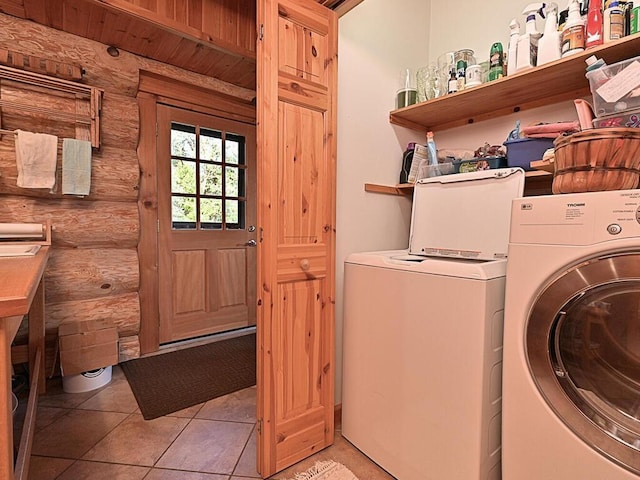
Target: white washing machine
422	361
571	382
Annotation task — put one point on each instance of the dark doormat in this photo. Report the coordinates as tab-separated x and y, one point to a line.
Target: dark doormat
169	382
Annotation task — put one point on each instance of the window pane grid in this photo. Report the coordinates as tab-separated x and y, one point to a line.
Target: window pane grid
207	178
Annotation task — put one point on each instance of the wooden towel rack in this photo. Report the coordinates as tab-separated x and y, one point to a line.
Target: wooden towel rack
86	118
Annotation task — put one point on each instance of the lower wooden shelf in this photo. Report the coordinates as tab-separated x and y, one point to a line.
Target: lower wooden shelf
399	189
407	188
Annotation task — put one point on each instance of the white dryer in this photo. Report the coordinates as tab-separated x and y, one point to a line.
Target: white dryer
571	383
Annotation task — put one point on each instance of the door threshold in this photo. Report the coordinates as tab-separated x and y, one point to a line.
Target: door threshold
204	340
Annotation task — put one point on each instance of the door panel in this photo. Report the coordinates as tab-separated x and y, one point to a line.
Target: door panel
583	350
206	206
296	216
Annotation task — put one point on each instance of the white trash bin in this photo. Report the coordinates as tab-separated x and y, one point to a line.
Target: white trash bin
86	381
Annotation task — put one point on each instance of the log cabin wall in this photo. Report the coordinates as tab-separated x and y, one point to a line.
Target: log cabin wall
94	267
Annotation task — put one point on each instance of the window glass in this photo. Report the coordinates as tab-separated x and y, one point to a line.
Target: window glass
208	175
597	342
183	140
183	176
210	179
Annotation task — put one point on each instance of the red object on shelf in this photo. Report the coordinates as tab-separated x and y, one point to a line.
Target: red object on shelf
594	29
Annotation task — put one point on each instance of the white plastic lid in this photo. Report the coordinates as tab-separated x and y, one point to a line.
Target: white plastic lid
466	215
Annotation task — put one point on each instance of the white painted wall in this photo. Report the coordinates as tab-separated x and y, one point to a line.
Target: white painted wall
377	39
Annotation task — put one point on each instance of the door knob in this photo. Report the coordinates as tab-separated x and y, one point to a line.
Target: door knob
250	243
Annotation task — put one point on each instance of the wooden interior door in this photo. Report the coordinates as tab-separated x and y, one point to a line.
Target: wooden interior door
296	111
206	222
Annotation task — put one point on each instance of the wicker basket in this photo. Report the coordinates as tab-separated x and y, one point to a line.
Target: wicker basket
596	160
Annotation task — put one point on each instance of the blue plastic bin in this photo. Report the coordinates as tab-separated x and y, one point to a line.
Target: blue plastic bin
522	151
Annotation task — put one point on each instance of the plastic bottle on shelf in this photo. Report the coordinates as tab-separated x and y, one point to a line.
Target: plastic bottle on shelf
549	44
407	158
593	31
527	55
496	61
573	32
512	54
453	82
595	73
613	22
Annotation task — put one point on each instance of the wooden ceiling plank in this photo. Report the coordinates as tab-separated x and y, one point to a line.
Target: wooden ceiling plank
13	7
124	8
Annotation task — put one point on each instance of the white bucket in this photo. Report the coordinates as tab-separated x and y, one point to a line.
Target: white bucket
86	381
14	404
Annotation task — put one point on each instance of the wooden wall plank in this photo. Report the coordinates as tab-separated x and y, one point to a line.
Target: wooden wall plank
148	214
122	310
81	274
78	223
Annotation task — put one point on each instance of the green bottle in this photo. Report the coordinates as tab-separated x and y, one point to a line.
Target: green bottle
496	61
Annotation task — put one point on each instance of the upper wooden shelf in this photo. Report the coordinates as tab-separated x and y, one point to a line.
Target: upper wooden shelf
554	82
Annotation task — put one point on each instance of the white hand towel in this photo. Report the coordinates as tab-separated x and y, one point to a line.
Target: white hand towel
36	156
76	167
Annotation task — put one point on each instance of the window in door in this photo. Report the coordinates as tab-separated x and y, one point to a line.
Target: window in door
208	176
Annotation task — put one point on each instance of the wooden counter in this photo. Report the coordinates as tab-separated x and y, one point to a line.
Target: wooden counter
21	293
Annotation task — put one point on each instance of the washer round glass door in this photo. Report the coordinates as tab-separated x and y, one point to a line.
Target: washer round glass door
583	348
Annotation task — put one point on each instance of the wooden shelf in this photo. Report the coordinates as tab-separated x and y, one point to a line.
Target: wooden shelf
557	81
399	189
407	188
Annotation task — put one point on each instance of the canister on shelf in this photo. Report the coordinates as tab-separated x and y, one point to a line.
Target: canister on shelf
496	61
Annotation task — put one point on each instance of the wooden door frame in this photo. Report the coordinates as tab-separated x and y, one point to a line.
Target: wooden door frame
152	90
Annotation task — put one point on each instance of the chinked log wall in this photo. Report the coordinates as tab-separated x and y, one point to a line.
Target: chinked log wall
94	268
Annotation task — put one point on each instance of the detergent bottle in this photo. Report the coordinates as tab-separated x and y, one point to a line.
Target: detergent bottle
512	53
527	51
549	45
573	33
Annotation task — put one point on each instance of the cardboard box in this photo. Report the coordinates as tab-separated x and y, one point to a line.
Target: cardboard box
87	345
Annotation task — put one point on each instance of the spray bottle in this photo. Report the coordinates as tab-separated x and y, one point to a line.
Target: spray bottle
512	54
549	45
573	32
527	54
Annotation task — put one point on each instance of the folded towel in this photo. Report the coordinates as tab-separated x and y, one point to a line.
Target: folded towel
76	167
36	155
551	130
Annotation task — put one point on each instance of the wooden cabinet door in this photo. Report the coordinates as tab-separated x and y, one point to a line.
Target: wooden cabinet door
297	73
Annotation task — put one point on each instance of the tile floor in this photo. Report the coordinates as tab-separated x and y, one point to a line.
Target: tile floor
101	435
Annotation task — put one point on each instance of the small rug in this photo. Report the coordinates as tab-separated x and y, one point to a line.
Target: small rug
326	470
172	381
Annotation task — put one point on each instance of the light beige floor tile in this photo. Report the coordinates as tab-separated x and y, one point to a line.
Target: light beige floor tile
45	468
115	397
137	441
189	412
236	407
56	397
160	474
47	415
72	435
246	466
207	446
82	470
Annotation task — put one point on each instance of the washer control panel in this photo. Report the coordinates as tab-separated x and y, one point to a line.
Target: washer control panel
576	218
